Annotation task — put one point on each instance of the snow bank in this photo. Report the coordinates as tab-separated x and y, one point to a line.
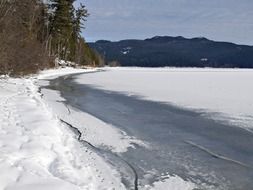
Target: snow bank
54	73
224	94
38	152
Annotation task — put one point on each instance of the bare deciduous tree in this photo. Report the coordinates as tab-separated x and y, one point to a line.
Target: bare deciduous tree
21	42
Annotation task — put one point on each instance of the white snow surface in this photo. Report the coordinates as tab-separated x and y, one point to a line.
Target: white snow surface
54	73
222	94
37	151
171	183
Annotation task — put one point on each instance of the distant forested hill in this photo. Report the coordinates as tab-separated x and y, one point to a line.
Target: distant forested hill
175	51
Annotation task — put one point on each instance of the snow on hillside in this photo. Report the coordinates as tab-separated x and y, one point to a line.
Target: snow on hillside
37	151
223	94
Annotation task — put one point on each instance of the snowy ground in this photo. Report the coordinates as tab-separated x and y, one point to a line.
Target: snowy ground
37	151
224	94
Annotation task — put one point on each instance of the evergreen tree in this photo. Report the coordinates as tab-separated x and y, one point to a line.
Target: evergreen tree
77	41
62	27
80	17
66	25
32	33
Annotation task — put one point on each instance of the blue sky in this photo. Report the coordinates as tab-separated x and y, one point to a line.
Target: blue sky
222	20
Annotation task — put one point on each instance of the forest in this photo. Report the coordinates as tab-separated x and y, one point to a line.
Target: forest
33	33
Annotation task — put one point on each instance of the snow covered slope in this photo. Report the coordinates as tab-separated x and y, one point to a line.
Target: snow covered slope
38	152
225	94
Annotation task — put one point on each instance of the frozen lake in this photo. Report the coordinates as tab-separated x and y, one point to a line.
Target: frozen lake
182	142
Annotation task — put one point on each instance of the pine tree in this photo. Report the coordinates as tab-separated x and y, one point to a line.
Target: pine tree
32	33
62	27
80	16
64	40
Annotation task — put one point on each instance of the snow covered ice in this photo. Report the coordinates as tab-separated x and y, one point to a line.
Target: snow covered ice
93	130
102	134
37	151
223	94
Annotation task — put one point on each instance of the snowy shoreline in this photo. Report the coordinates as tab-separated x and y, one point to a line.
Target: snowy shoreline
106	136
37	150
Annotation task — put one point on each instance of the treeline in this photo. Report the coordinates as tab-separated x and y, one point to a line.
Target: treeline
34	33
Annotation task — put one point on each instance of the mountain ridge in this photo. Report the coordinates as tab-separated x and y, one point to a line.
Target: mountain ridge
175	51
